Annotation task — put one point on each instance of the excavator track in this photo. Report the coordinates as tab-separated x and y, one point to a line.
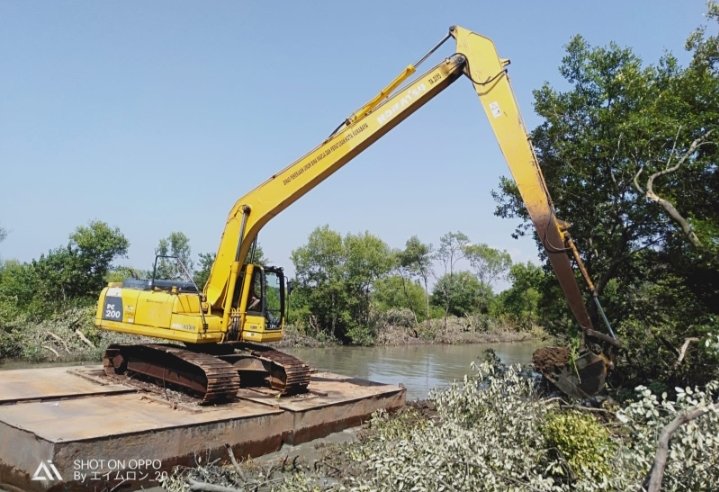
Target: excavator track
198	373
211	372
287	374
260	365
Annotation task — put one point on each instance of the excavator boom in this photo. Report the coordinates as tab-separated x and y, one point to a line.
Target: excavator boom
220	314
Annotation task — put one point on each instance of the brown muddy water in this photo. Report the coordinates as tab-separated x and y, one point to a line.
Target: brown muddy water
419	368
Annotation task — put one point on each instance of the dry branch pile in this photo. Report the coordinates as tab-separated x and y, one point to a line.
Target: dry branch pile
494	431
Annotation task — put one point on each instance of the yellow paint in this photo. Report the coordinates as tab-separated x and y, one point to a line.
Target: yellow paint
176	316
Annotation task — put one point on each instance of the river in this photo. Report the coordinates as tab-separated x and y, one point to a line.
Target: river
418	367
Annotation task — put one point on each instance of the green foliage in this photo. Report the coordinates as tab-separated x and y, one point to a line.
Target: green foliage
86	260
54	337
461	294
520	302
451	249
74	273
493	432
120	273
397	292
705	47
399	426
18	288
258	256
340	278
177	244
623	141
415	262
416	257
486	438
202	274
693	462
334	282
489	264
361	334
581	441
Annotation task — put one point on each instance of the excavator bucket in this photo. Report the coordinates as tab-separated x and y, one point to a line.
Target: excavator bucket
580	377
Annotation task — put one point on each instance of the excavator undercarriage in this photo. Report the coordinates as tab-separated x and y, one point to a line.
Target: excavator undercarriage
212	373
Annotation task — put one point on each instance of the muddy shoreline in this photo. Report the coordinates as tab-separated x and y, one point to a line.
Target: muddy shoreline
456	331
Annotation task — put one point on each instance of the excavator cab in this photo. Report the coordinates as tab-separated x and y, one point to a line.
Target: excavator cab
262	305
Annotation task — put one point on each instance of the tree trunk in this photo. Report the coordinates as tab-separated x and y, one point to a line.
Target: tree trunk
426	296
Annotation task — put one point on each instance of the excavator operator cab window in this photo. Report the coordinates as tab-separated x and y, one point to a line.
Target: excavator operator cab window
266	295
274	298
254	303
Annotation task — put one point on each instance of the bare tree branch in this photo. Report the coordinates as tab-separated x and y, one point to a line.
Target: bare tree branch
636	179
59	339
669	207
47	347
235	464
656	474
208	487
614	159
84	338
683	350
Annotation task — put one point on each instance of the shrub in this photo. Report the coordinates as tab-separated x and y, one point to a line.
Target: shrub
494	432
582	441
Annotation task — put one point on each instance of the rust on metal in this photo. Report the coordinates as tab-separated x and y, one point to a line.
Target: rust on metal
19	385
287	374
579	377
212	372
93	429
201	374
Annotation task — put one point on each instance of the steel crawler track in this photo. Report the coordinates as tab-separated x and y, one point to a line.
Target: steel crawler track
214	372
287	374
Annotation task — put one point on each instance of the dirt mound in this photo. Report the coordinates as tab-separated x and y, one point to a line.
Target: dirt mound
549	360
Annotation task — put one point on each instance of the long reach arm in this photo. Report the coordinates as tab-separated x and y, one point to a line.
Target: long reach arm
477	58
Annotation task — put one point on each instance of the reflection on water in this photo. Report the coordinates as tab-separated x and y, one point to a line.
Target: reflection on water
418	367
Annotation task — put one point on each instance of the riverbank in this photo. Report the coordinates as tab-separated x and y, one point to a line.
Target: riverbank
66	337
452	331
71	336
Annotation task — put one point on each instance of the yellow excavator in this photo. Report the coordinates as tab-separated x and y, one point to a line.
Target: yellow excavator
223	327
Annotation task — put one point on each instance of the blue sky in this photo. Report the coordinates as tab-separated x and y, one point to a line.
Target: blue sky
156	116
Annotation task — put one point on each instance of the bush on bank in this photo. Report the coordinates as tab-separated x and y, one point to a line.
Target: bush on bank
496	433
66	335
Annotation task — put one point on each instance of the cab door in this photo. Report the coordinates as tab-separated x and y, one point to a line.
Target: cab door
263	304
